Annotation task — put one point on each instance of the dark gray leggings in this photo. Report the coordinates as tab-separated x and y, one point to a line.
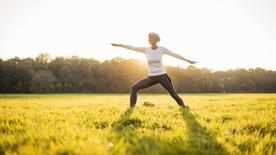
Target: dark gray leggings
163	79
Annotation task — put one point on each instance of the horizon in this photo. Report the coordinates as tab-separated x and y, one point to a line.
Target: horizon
219	35
101	61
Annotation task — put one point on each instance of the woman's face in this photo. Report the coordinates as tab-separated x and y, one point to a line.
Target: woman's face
153	39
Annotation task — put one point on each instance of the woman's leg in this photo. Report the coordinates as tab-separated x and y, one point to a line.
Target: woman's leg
167	84
141	84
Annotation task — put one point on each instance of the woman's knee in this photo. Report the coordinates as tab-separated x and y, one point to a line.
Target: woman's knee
134	88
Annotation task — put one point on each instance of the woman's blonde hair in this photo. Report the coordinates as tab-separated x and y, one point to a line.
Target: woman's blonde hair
155	35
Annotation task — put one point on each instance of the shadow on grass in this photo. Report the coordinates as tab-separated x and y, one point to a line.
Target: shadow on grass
125	121
199	139
131	136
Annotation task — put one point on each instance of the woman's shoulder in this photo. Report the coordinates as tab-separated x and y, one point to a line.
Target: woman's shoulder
163	49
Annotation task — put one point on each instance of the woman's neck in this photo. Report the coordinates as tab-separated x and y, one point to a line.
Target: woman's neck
154	46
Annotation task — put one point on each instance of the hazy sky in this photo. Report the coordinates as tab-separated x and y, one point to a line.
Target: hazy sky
219	34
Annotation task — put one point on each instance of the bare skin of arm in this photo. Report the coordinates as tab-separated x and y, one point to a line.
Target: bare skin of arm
130	47
142	50
168	52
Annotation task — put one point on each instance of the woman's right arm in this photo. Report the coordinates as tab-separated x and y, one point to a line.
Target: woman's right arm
137	49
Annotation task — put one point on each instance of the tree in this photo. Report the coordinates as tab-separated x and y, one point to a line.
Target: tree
65	78
75	74
44	81
42	61
43	58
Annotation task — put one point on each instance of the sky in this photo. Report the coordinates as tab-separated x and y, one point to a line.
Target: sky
218	34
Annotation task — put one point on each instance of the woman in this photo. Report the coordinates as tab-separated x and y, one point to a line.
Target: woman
156	71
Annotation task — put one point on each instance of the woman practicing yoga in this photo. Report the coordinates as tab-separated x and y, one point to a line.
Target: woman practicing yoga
156	71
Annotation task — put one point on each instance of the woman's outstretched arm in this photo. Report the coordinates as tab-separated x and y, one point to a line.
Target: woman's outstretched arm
168	52
137	49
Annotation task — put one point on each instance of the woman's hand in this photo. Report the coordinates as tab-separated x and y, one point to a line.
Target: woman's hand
192	62
117	45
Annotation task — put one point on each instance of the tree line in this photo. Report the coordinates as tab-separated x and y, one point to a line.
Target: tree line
87	75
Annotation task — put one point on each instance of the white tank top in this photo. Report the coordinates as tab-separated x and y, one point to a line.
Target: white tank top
154	60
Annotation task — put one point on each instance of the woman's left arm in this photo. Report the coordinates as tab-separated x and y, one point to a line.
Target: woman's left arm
168	52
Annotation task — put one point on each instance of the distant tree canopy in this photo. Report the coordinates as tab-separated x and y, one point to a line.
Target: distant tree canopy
81	75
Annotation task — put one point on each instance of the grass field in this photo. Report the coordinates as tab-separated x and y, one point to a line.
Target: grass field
103	124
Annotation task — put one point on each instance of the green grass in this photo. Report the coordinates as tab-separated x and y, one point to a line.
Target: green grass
103	124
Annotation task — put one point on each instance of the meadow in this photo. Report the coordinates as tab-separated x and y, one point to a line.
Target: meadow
104	124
